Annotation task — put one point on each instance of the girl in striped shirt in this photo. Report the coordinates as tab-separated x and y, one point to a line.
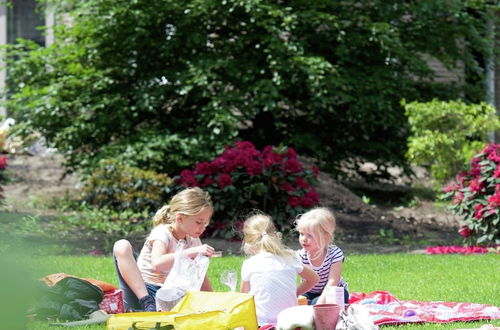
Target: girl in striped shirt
316	228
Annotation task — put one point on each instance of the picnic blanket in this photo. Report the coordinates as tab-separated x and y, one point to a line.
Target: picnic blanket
385	308
456	249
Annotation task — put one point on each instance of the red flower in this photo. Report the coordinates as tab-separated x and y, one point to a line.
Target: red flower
187	179
461	177
3	162
293	166
488	149
465	231
206	168
291	153
310	199
269	161
496	174
245	145
254	168
301	183
207	182
476	186
451	187
315	170
458	198
287	187
267	150
294	201
478	211
224	180
494	156
494	200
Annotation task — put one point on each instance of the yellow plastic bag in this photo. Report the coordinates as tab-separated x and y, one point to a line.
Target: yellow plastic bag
197	310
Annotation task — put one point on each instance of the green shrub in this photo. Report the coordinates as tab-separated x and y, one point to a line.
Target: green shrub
127	76
445	135
243	178
114	224
475	195
121	187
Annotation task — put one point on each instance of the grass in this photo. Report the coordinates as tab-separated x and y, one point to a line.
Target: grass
472	278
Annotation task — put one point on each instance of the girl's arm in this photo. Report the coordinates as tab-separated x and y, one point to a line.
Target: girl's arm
206	286
333	279
335	272
204	249
245	287
309	280
162	261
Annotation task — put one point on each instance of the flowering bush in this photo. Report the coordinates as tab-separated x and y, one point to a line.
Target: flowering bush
475	195
243	178
3	176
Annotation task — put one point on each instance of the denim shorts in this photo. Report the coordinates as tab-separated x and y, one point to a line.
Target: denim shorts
130	300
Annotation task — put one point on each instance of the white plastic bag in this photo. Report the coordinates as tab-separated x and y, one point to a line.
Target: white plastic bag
301	317
186	275
357	317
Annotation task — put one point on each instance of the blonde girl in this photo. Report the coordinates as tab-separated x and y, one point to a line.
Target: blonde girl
316	228
185	218
270	274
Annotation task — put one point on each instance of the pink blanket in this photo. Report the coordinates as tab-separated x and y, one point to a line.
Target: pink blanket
455	249
387	309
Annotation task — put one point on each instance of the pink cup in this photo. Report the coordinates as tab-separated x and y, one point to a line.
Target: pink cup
326	316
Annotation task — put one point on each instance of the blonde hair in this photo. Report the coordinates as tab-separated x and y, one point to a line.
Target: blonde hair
260	235
189	201
320	223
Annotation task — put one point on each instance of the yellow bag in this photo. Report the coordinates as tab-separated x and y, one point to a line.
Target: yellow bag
197	310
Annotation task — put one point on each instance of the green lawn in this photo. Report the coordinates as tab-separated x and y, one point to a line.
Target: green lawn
473	278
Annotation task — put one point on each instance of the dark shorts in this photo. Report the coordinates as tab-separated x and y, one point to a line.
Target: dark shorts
312	298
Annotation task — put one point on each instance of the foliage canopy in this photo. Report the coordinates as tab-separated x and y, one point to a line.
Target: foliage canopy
163	84
446	135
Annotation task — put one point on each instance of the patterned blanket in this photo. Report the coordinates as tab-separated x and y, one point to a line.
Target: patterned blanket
385	308
456	249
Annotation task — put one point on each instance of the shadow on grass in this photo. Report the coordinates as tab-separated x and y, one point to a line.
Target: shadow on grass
51	236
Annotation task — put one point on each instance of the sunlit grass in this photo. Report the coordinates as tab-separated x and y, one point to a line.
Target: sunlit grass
472	278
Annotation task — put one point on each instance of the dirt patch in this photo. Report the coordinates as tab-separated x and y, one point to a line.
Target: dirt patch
35	180
361	227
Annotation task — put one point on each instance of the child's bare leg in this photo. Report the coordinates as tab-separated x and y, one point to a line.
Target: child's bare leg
127	266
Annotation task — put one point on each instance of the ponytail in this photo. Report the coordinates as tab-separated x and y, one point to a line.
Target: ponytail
189	201
260	234
162	216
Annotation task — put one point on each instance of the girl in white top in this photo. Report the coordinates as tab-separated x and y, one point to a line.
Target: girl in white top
316	228
185	218
270	274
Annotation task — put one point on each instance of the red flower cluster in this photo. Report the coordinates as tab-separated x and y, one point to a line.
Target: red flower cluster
3	163
245	160
3	177
242	177
475	195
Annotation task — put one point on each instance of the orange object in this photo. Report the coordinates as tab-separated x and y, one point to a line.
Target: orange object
52	279
301	300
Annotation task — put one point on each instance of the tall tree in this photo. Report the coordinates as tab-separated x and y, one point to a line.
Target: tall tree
162	84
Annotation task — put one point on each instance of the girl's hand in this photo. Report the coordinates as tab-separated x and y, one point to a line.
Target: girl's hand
204	249
322	299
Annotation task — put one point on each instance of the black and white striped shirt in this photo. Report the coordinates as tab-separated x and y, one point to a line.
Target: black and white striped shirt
333	255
